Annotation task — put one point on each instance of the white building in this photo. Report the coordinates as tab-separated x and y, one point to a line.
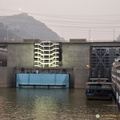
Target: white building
46	54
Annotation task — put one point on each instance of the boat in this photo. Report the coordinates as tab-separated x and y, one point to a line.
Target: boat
115	76
99	89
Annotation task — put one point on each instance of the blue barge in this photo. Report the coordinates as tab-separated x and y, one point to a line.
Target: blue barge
42	80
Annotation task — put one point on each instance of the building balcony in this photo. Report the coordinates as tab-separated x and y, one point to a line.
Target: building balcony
43	54
49	58
48	49
44	45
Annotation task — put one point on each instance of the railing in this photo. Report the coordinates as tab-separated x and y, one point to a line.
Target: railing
54	44
50	58
34	85
47	49
47	62
55	52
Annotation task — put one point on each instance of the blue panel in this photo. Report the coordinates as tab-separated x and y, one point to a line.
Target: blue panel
62	79
22	78
43	79
47	79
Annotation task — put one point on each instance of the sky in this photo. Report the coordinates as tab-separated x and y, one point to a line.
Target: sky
93	20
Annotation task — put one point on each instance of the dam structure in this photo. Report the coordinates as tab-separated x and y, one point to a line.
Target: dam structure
82	61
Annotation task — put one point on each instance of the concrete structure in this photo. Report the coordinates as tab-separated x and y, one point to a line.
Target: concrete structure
17	54
75	60
20	54
77	56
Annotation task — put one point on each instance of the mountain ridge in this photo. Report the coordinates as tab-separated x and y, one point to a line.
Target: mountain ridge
22	26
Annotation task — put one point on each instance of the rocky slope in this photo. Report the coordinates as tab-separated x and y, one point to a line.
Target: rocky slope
23	26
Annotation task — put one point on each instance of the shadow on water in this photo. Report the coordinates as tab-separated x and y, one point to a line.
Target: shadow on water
53	104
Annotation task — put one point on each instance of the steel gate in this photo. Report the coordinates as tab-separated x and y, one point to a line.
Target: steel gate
101	61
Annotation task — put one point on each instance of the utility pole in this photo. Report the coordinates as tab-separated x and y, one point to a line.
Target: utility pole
7	33
62	31
89	34
113	34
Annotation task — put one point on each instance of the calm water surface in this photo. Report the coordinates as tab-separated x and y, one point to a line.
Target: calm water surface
53	104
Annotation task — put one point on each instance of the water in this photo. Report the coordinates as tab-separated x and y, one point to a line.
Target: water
53	104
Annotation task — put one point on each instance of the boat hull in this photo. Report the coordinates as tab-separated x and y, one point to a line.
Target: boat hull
99	97
99	90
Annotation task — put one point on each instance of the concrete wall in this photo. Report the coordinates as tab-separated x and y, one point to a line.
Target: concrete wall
6	77
77	56
11	77
3	77
20	55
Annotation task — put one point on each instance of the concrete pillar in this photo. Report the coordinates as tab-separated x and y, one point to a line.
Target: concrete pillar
81	76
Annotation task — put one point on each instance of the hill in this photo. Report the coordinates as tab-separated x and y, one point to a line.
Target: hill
23	26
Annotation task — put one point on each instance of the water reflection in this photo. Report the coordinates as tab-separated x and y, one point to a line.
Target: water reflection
53	104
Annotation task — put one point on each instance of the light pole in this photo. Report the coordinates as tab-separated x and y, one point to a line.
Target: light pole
113	34
7	34
89	34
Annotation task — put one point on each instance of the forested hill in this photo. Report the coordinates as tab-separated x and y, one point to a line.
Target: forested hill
23	26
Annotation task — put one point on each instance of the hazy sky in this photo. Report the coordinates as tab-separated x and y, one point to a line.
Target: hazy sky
90	19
